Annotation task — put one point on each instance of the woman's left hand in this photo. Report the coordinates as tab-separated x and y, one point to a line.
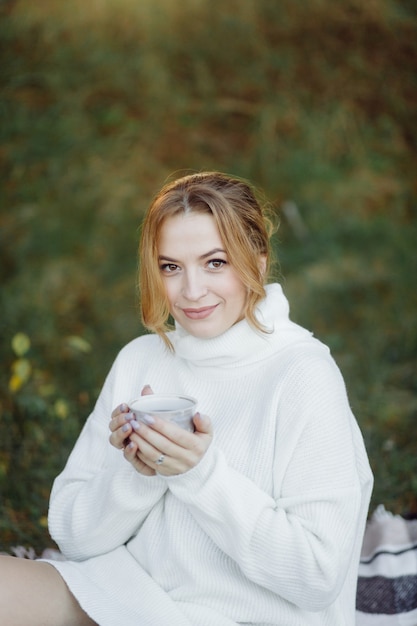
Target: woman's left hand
166	448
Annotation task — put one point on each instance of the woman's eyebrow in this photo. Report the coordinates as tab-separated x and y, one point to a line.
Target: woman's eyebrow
163	257
214	251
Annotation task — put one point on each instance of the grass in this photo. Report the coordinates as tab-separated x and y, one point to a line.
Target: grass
102	101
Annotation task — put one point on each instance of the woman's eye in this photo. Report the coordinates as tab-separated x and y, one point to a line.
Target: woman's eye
168	268
216	264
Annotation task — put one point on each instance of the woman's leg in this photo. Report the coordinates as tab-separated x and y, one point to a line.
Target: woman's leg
33	593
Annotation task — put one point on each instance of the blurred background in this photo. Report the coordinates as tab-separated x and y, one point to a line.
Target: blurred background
101	101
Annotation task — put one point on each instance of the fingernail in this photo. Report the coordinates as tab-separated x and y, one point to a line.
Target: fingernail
123	407
146	387
129	417
125	428
135	425
148	419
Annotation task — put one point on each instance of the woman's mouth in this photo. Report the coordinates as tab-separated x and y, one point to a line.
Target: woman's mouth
199	314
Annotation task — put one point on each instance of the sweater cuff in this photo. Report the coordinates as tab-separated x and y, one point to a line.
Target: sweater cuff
139	483
131	485
196	477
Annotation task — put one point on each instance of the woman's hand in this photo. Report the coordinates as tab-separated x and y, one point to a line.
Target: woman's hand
159	446
121	429
166	448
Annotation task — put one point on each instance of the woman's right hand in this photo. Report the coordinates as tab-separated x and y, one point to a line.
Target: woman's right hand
121	429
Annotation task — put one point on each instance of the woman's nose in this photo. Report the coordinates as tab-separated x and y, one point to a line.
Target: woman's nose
193	287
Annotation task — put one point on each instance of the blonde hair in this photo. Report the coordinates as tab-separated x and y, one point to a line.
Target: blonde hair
244	228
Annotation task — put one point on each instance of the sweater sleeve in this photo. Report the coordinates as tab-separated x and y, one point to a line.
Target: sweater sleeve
298	543
99	501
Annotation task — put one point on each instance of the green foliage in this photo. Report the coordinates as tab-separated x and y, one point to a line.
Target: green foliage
100	102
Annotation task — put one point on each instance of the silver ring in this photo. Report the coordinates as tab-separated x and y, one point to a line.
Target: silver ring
160	460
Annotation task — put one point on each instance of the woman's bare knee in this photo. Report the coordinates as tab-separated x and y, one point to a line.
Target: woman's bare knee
33	593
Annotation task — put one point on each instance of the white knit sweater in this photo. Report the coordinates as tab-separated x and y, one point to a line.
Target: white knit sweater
266	529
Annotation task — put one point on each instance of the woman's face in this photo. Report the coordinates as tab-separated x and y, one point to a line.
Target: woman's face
205	294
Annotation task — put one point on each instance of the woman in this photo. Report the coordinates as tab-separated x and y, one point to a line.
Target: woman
257	516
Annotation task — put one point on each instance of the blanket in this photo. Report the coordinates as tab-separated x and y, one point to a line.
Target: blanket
387	580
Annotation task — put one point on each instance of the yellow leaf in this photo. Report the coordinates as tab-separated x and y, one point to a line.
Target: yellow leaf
79	344
20	344
22	368
15	383
61	409
43	521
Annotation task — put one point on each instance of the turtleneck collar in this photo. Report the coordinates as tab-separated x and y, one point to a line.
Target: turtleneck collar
243	346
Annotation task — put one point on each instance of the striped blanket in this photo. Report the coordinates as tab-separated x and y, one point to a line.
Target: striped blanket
387	582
